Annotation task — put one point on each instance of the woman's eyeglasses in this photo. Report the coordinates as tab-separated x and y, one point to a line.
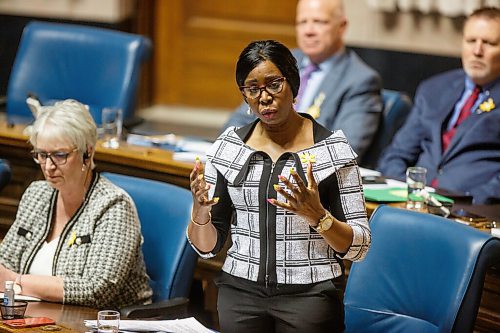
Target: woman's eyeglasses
57	157
273	87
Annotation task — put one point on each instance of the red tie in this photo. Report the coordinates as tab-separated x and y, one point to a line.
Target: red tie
464	113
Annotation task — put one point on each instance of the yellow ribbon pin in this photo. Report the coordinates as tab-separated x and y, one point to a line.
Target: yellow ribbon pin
315	109
72	239
487	105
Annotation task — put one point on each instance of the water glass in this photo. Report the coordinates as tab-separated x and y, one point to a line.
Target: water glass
415	180
15	311
112	123
108	321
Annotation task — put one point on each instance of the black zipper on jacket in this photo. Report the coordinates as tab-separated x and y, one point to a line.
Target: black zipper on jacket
267	219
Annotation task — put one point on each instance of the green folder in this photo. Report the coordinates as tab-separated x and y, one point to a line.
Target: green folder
395	194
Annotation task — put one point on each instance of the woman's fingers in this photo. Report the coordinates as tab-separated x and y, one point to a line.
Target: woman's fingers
297	196
310	177
288	196
199	187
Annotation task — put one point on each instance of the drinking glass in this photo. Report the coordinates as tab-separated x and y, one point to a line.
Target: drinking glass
415	179
108	321
112	123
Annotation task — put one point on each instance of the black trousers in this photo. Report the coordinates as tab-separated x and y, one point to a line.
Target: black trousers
245	306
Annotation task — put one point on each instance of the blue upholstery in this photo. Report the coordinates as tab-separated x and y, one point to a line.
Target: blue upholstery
397	107
5	173
423	274
98	67
164	211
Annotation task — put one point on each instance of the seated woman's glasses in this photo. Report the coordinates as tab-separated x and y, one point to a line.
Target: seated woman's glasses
57	157
273	87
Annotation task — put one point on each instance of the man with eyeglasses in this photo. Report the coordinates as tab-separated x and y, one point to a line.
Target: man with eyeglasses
337	88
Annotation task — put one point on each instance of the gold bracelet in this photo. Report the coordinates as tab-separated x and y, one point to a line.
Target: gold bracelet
201	224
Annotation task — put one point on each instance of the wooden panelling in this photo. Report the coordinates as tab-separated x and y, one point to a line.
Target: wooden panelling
197	43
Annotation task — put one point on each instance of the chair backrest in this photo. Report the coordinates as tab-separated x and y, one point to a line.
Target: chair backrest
98	67
423	273
397	106
164	211
5	173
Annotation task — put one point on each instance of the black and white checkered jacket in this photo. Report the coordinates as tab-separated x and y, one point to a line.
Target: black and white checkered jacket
99	251
269	244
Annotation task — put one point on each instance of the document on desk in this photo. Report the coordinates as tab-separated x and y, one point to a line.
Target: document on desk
24	298
390	190
186	325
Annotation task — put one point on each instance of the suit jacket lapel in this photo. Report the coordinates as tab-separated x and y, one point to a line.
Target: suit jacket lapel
468	125
331	87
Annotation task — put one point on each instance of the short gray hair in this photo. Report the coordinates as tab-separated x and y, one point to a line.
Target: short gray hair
70	120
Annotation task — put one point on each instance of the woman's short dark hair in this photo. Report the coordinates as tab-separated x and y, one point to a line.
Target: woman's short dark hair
277	53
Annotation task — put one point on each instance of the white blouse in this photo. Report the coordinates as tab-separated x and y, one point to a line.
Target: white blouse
42	263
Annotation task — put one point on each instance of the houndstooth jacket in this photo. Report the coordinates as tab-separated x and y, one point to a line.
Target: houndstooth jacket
271	245
99	251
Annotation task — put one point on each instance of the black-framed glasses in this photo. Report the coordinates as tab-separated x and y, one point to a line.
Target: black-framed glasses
272	87
57	157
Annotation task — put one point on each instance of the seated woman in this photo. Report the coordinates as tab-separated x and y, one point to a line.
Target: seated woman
76	238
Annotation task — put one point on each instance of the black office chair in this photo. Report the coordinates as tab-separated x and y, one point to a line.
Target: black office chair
423	273
164	211
397	107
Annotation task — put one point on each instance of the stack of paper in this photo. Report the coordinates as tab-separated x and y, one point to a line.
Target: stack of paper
189	149
187	325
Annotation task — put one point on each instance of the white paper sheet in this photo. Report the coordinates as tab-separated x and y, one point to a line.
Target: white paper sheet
24	298
186	325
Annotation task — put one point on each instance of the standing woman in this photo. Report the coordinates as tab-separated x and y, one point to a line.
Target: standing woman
289	193
76	238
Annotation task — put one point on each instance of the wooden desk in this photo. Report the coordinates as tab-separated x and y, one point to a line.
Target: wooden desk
71	316
158	164
131	160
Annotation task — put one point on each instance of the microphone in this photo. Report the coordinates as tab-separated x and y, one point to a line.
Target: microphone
429	199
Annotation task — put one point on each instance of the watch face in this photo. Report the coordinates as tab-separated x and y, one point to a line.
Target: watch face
327	223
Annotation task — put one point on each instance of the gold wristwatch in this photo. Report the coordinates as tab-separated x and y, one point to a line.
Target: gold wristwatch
325	223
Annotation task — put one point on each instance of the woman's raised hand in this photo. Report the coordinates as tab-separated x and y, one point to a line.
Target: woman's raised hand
301	199
199	187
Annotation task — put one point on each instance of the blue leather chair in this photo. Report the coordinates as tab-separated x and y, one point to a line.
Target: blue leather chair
423	273
164	211
98	67
5	173
397	107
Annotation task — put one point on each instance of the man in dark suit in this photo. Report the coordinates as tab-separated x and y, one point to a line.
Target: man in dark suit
342	93
454	127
